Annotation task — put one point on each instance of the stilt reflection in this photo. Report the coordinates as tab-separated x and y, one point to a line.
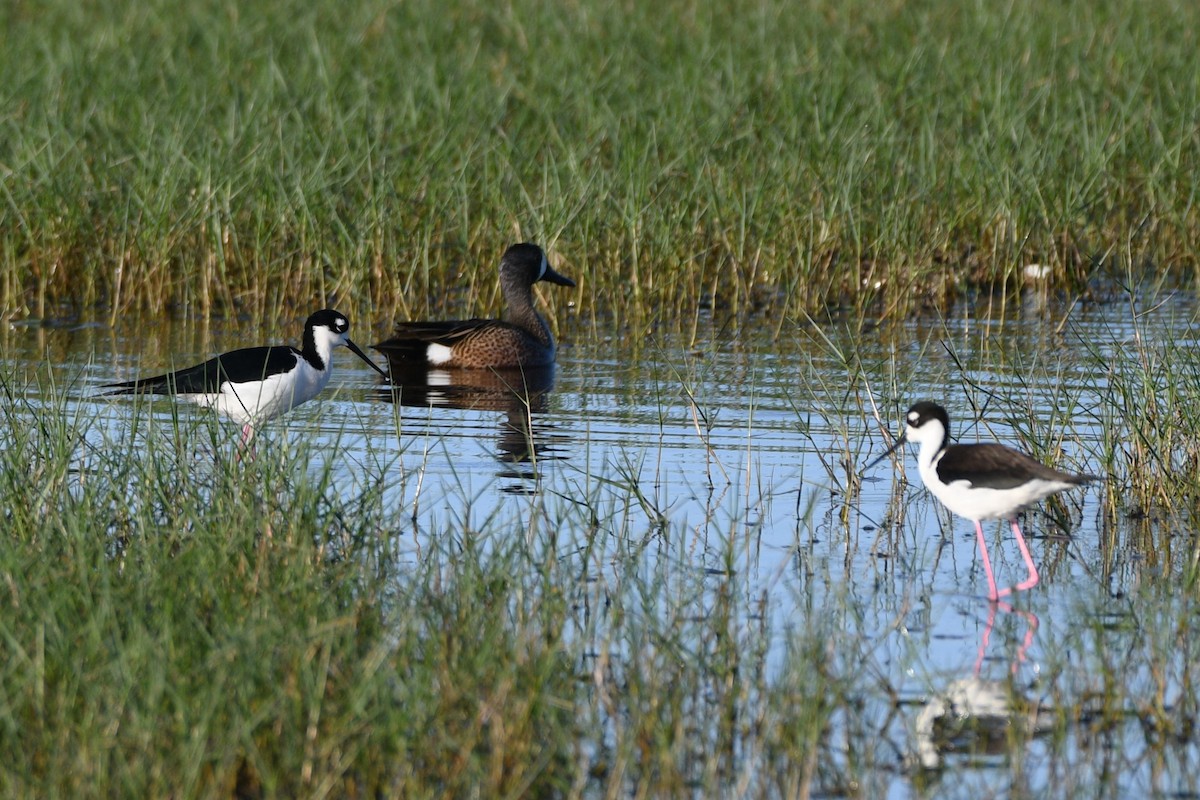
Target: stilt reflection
1031	621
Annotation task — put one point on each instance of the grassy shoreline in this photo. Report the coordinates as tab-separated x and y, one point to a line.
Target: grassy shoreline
176	627
741	155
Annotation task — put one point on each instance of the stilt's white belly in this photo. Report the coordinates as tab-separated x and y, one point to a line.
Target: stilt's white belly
256	402
980	503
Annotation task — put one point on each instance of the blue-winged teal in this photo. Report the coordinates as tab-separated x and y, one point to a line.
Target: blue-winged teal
521	339
254	384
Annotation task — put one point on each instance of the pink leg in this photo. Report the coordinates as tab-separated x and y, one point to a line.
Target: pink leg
1028	583
245	447
993	595
1032	580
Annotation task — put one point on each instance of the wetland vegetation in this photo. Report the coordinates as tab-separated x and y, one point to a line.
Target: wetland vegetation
229	160
180	624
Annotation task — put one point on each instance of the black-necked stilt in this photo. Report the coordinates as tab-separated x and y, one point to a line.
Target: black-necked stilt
255	384
980	481
521	339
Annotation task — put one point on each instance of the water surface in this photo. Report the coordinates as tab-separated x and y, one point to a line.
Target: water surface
738	451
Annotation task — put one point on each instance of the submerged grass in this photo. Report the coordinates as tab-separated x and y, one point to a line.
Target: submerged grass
231	159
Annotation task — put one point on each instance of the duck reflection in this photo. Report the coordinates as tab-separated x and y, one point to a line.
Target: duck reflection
522	395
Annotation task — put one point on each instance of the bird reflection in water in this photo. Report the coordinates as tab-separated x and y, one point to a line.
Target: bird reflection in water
970	720
1031	626
976	718
973	720
521	395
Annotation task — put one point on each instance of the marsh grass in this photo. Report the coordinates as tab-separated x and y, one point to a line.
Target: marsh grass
1148	390
179	622
230	160
1132	689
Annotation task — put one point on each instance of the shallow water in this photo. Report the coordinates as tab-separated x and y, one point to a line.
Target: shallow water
738	452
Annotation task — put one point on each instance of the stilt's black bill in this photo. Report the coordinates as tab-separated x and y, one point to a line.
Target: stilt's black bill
890	450
354	349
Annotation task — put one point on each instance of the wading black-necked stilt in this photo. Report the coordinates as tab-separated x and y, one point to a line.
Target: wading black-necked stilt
255	384
980	481
521	339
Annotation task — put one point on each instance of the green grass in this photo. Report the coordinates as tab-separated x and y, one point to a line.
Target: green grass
178	623
226	159
190	627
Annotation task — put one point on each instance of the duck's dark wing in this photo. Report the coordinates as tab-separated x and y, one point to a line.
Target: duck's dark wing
238	366
413	337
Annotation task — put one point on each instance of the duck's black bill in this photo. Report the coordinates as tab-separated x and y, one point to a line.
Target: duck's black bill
555	277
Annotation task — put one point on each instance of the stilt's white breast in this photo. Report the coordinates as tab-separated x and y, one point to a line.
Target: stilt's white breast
978	503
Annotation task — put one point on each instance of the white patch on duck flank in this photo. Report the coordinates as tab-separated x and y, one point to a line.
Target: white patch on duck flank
438	354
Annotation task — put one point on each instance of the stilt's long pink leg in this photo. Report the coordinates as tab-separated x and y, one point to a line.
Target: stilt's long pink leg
245	446
993	595
1032	580
1028	583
